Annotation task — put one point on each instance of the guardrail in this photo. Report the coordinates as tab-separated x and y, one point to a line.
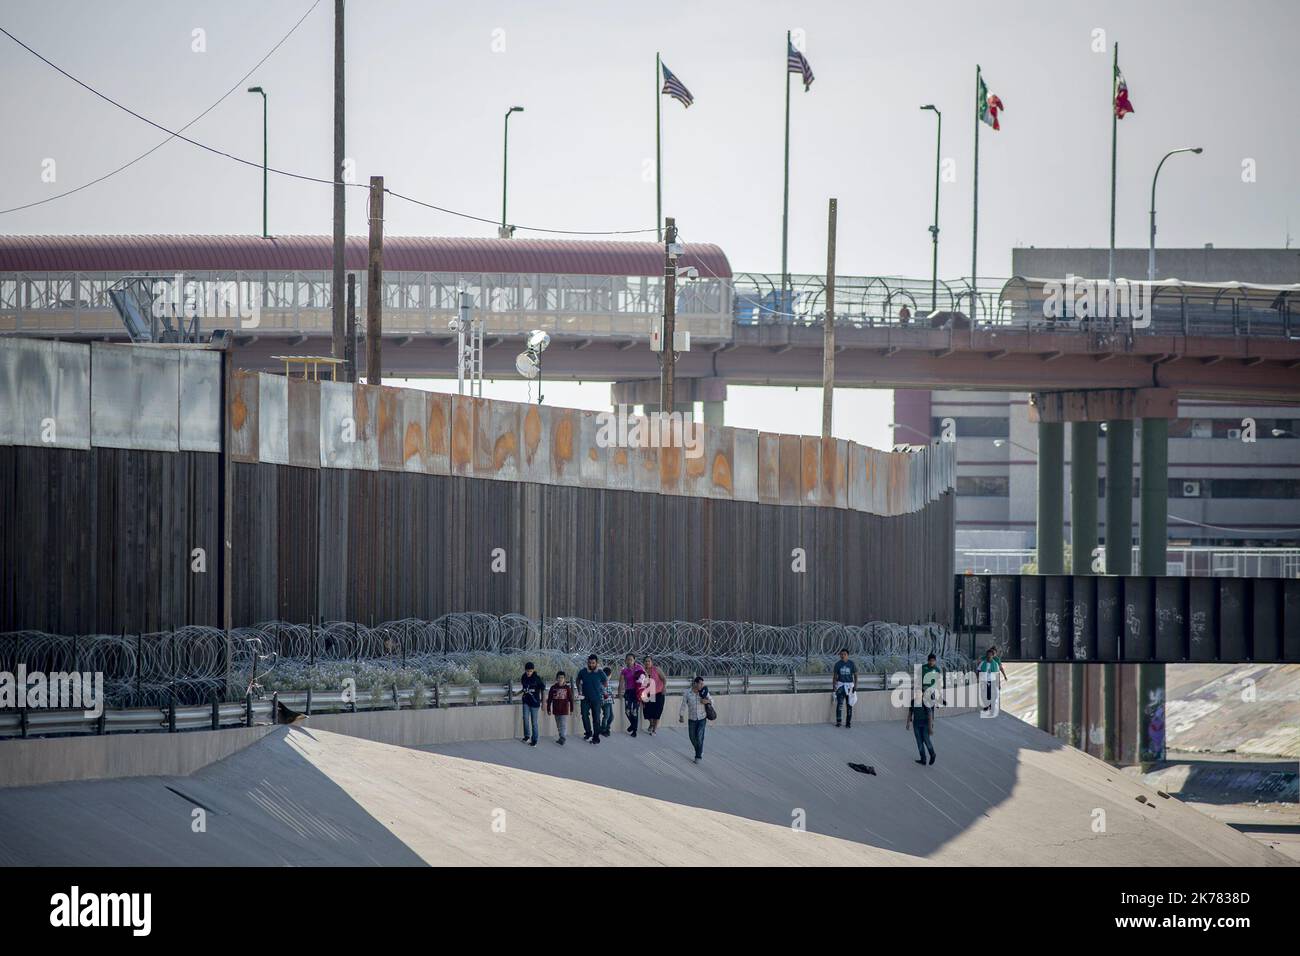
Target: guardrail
251	711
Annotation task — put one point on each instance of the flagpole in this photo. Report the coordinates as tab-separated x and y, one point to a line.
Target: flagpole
1114	129
659	188
975	208
785	203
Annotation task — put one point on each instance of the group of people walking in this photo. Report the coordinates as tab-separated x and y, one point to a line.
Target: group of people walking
642	687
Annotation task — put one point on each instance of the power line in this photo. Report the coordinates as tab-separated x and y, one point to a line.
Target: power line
178	134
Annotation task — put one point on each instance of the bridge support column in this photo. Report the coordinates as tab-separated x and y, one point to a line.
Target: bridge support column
1119	561
714	413
1086	715
1154	541
1051	546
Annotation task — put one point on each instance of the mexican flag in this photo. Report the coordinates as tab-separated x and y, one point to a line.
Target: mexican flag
989	106
1122	105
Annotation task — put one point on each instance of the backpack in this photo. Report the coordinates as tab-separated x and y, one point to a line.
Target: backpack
709	712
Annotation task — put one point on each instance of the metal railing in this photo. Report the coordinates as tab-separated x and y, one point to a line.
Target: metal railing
1203	561
253	711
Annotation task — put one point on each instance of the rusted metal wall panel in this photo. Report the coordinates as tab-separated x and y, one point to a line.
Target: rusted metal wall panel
337	425
44	393
272	419
769	468
437	431
365	413
200	400
720	457
744	464
304	423
496	439
535	444
388	428
790	470
134	397
691	442
462	435
593	448
412	425
244	412
565	468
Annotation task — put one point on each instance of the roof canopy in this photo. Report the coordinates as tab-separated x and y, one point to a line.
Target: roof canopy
314	254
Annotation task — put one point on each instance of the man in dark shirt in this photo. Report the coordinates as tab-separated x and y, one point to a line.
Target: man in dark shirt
532	689
591	684
844	677
920	719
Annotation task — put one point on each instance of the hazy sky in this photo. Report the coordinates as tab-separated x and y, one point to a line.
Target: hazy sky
428	84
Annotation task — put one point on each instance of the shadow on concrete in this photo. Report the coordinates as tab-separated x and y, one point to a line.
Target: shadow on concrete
771	773
265	806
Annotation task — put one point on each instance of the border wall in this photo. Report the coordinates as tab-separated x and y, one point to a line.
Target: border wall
372	503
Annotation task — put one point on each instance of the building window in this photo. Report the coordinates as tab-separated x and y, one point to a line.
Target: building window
992	486
1276	488
973	426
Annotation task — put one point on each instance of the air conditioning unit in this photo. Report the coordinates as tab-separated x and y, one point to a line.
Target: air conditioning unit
1191	489
1234	434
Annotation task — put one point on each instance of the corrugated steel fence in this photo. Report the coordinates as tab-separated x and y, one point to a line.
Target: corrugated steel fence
375	503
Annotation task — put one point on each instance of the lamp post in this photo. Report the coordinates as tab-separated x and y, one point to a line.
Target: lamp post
1003	442
934	229
1151	254
257	89
505	167
894	426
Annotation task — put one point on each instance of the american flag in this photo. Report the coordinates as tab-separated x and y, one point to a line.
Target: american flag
675	88
796	62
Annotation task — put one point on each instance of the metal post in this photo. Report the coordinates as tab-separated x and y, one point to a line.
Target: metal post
659	189
257	89
828	338
1151	251
668	341
975	206
785	201
1153	536
505	166
336	298
934	229
374	284
1083	539
1051	538
1114	133
1119	558
350	332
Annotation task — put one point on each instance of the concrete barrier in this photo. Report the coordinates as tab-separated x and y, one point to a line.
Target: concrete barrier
419	728
26	763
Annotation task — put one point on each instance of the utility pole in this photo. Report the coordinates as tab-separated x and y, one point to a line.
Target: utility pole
934	229
668	341
374	283
339	327
828	342
350	339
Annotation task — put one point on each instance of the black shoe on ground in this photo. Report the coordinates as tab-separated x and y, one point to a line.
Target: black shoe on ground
848	724
596	739
837	723
523	740
931	759
532	743
560	741
586	736
921	761
634	733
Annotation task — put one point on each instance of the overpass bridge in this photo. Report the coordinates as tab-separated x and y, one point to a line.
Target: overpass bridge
600	300
1223	341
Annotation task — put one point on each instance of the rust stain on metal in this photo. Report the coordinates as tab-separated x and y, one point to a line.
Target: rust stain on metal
788	470
412	441
721	471
238	412
809	477
437	427
695	466
562	439
670	469
620	457
532	432
503	450
462	444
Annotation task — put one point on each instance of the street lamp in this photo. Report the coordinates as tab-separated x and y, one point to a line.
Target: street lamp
1151	254
1280	432
1003	442
894	426
505	165
258	89
934	229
